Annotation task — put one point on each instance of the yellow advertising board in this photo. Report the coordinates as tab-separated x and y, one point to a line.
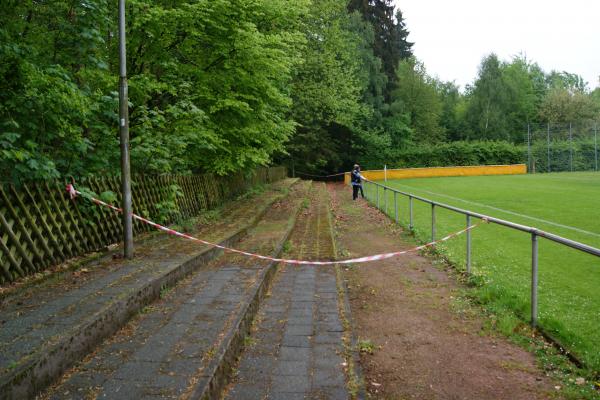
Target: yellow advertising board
405	173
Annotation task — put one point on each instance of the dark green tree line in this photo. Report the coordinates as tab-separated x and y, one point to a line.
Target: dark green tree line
226	85
209	84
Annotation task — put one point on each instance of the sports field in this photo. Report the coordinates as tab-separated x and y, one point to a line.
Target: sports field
567	204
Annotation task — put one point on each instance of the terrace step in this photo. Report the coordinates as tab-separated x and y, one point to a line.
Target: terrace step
296	350
48	327
184	344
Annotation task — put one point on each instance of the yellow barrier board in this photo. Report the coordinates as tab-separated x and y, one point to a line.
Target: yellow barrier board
406	173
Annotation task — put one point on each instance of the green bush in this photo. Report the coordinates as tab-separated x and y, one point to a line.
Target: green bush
459	153
560	152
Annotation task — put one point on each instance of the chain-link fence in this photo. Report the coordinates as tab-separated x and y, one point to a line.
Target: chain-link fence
562	147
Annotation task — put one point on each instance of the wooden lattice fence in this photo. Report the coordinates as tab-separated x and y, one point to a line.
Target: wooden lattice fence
40	226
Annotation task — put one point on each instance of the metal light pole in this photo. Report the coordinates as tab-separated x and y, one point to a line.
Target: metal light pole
548	147
571	146
124	136
528	148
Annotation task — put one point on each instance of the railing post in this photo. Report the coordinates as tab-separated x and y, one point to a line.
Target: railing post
385	200
534	278
410	212
377	196
468	245
432	222
396	206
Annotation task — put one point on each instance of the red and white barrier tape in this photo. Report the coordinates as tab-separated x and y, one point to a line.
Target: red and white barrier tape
74	192
320	176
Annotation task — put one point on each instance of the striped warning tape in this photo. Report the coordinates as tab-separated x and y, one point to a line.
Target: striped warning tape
74	193
319	176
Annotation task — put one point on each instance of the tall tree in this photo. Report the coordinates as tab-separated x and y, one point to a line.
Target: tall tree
391	43
488	98
209	85
562	106
452	102
328	89
417	97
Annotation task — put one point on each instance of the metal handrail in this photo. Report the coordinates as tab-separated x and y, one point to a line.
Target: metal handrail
535	233
529	229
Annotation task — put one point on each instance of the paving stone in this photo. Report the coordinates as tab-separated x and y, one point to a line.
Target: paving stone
247	392
327	338
307	306
286	396
181	366
296	341
299	330
303	305
331	327
328	377
118	389
327	363
136	371
301	320
285	367
275	309
329	393
300	313
331	295
291	383
294	353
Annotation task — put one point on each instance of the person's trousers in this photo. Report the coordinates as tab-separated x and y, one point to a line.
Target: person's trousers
355	189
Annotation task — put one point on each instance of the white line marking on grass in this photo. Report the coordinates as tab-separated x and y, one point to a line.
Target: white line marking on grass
507	212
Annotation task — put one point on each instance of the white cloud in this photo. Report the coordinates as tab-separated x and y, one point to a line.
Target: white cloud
451	37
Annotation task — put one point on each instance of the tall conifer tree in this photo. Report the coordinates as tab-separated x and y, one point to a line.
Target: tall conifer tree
391	43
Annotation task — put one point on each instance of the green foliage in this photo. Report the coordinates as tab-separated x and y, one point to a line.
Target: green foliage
459	154
168	210
365	346
417	98
209	85
108	197
561	151
390	43
562	105
222	86
328	88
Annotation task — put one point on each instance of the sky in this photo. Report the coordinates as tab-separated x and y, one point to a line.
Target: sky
452	36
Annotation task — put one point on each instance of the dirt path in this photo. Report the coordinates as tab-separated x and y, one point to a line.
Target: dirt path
423	348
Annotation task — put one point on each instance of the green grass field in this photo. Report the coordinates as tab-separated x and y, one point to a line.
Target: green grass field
567	204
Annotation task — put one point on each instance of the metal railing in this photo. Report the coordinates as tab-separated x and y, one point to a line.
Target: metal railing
534	232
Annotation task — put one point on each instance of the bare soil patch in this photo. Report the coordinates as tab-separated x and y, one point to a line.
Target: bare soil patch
406	306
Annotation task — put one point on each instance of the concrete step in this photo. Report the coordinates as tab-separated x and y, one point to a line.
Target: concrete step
183	345
47	328
296	349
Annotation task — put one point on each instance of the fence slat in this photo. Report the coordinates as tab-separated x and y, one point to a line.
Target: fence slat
24	231
17	244
33	226
66	228
48	231
41	226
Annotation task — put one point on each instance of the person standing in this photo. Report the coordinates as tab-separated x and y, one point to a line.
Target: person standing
356	179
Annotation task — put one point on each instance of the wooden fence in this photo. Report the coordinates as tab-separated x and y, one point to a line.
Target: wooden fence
40	226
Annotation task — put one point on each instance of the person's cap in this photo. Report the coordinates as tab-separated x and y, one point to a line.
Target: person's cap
356	166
